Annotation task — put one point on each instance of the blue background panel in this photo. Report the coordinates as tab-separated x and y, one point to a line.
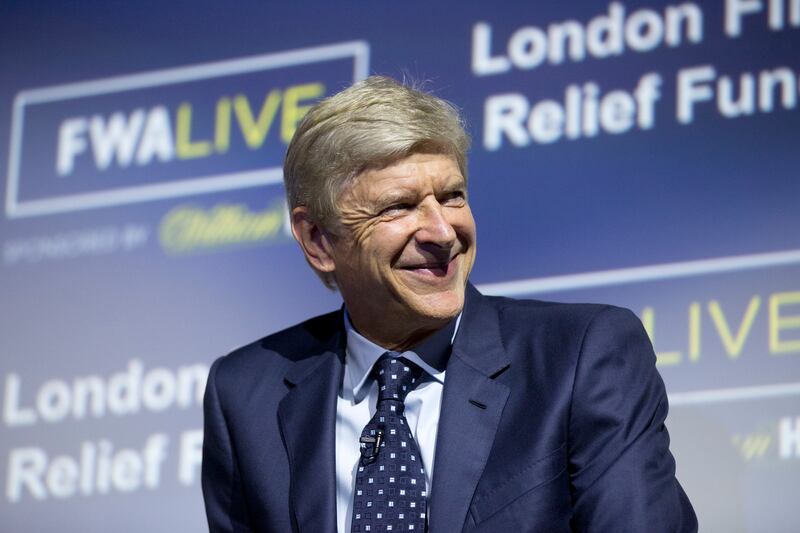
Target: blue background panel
691	224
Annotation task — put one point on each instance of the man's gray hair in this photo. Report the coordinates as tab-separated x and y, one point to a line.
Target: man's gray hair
370	125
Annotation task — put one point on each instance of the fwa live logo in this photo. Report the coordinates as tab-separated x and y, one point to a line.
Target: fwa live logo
166	134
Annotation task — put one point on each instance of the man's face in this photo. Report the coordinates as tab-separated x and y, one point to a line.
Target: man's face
406	247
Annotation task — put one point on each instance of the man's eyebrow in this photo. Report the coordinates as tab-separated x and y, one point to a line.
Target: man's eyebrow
401	193
460	185
453	185
394	195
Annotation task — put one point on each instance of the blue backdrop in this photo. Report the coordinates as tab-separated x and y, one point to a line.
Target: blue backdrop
642	153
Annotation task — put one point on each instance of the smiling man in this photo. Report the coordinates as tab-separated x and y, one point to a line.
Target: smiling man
423	405
403	248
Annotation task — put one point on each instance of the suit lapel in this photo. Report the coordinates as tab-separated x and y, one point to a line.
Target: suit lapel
472	405
307	416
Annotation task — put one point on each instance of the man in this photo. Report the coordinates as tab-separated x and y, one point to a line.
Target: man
513	415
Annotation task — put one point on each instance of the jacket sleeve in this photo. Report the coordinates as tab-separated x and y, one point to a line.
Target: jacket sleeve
622	474
222	492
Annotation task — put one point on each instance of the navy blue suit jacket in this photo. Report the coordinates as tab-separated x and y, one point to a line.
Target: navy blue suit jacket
552	420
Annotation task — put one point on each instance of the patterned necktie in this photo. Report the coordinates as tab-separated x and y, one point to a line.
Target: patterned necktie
390	492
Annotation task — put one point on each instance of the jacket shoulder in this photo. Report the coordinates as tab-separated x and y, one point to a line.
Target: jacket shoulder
564	327
525	312
270	357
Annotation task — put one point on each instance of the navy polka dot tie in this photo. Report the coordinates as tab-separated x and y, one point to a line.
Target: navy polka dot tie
390	493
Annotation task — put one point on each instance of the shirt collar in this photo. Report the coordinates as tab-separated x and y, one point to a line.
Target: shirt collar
431	354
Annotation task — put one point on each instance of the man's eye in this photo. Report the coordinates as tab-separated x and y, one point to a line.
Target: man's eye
396	208
454	198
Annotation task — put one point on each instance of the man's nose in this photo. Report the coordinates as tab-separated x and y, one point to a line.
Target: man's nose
434	226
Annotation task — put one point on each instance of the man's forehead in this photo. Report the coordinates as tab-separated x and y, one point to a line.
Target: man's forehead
406	172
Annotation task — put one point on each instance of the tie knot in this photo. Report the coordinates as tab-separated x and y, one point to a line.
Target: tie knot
396	376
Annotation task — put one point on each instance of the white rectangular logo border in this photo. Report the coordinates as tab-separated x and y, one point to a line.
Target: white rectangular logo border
358	50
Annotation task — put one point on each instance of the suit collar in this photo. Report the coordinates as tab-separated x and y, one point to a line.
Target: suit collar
472	405
479	342
328	337
305	368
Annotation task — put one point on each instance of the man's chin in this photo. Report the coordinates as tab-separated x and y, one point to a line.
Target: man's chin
438	307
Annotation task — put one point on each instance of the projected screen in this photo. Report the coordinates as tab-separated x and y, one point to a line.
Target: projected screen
639	153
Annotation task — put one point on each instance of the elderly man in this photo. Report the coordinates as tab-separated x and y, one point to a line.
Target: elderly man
422	404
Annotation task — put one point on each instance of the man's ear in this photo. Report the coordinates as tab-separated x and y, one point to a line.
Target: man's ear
313	239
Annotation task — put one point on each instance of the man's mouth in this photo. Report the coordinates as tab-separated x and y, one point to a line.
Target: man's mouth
438	269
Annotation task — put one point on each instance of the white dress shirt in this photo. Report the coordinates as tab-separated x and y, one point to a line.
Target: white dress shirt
358	396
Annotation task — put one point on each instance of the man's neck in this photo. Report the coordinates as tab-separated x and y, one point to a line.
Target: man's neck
432	346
